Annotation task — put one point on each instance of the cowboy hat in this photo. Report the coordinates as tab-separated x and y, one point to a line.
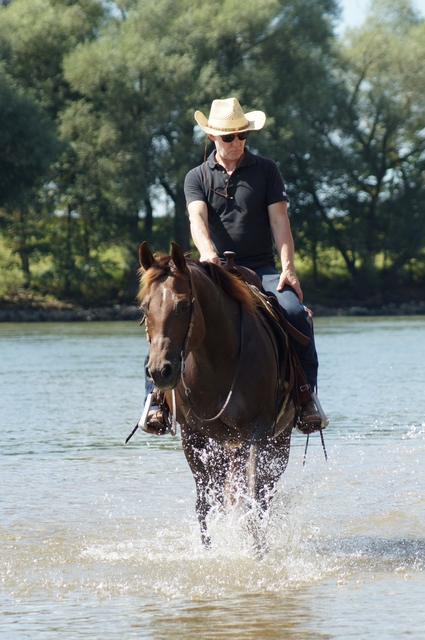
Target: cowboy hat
226	116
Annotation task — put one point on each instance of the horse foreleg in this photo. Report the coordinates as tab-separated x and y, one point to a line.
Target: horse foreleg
203	507
266	463
208	465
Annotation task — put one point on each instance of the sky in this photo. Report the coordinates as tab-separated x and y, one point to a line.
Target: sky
354	12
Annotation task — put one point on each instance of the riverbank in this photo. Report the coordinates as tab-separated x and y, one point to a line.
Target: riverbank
71	314
59	312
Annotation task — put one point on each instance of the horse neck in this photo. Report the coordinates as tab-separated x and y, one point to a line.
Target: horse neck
221	316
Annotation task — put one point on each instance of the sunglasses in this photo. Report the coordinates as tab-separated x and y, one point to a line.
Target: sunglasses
231	136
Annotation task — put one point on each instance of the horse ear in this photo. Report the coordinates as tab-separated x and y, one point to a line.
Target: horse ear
146	256
178	258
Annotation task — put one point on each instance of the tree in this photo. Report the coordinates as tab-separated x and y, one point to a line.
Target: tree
362	178
151	70
27	146
35	35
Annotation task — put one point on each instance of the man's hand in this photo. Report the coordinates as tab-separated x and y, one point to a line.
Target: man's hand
210	257
289	277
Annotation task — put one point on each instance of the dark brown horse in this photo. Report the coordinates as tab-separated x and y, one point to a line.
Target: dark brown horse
217	364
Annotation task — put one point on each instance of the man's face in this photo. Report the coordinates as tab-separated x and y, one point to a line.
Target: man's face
228	151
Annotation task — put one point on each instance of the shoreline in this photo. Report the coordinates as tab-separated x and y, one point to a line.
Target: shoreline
119	312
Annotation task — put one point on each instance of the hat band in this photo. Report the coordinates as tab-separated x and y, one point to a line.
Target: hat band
245	126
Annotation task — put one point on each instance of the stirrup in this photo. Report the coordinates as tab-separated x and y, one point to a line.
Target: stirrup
307	429
164	424
325	419
155	416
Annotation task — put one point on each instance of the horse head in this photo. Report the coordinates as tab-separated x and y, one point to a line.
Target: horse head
174	322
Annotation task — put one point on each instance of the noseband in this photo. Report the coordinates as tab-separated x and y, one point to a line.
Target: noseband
190	325
184	354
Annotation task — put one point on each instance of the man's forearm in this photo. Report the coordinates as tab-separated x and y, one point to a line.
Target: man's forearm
200	235
282	234
198	220
281	229
285	245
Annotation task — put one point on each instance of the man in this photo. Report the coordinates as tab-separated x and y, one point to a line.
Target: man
236	201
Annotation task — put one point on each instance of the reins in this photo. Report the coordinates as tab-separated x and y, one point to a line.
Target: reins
188	391
183	355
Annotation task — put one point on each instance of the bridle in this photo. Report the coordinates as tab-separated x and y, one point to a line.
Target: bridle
184	354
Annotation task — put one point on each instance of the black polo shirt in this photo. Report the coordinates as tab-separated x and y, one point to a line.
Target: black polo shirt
239	223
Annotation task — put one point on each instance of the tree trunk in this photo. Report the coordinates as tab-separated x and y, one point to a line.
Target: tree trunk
22	248
131	280
181	221
148	219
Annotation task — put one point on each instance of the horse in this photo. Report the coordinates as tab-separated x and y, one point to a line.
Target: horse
218	366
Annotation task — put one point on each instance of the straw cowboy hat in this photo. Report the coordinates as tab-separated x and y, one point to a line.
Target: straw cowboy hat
226	116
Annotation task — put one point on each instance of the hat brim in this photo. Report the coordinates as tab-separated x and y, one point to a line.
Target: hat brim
256	120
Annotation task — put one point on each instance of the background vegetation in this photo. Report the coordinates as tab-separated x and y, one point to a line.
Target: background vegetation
97	134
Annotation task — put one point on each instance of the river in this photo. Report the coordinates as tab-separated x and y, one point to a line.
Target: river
100	540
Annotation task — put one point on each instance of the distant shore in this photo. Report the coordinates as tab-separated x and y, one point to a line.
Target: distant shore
69	314
118	312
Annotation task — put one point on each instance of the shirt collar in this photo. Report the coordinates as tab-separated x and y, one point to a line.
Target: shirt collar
248	160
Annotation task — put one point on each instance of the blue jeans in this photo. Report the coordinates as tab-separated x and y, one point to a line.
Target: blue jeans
296	314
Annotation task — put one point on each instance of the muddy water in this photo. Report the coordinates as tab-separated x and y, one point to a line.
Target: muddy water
100	540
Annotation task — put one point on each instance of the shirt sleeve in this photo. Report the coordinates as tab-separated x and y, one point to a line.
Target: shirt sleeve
276	191
194	187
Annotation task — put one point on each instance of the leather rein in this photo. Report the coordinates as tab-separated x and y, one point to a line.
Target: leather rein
187	390
184	354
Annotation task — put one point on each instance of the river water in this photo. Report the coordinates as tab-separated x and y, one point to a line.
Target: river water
100	540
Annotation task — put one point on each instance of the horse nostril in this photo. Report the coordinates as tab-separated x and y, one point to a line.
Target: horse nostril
166	372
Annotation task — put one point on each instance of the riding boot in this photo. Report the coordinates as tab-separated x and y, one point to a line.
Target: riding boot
158	419
310	417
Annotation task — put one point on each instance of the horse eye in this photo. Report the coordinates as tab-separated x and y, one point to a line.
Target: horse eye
184	305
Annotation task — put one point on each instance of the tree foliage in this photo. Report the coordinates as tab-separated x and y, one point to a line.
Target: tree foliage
28	145
360	185
121	80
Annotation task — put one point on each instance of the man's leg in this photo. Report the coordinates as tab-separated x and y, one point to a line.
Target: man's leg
157	422
297	315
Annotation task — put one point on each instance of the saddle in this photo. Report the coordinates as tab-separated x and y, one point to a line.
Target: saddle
292	380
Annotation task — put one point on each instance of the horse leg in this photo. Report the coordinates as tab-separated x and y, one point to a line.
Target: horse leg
266	463
208	464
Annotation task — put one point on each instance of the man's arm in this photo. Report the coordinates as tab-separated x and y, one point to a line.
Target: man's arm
282	235
198	218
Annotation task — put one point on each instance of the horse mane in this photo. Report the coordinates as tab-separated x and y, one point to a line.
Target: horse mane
230	283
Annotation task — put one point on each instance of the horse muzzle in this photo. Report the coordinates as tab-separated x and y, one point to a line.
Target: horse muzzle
165	375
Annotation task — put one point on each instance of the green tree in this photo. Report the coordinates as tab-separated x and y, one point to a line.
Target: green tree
151	70
361	179
35	35
28	145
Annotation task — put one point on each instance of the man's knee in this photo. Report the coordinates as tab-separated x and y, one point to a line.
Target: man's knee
292	306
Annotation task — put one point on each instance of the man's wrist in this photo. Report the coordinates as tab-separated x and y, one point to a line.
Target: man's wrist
208	256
